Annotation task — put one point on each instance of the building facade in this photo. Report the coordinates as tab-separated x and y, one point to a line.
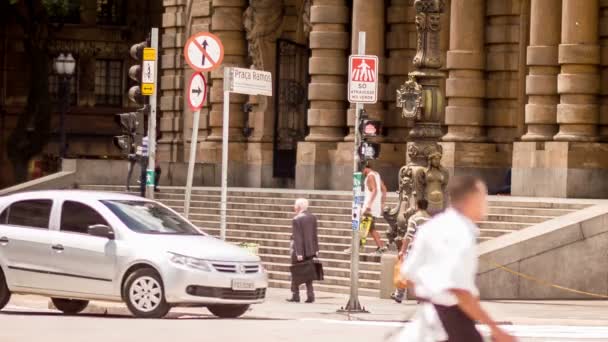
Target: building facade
98	34
526	90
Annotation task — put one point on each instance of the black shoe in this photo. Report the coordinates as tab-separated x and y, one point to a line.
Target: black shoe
310	300
396	299
293	300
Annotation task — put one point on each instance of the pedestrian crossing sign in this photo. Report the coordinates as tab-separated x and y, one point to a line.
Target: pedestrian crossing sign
363	79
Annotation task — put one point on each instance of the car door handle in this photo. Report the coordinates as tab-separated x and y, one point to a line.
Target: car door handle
4	241
58	248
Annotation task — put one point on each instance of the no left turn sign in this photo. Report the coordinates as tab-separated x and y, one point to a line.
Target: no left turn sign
204	52
197	91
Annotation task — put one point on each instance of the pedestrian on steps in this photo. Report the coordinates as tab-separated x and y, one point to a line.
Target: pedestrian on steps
375	197
420	217
304	245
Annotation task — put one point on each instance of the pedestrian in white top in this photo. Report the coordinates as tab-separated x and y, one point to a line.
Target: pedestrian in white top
442	267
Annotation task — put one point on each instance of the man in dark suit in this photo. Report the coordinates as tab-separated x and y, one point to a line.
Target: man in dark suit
304	245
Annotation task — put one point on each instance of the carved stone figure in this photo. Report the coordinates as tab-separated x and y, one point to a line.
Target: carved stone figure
436	179
263	21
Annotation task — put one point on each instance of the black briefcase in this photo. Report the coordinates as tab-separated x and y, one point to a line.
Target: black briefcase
319	270
303	272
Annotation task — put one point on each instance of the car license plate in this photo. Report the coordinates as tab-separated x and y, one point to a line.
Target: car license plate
242	285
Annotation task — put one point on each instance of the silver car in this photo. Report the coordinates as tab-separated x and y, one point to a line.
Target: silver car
75	246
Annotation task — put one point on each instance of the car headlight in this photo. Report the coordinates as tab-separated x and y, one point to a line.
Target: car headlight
195	263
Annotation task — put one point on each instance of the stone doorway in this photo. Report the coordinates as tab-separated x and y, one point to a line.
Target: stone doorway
291	104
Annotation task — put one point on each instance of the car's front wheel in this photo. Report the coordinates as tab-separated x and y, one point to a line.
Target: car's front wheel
5	294
70	306
144	294
228	310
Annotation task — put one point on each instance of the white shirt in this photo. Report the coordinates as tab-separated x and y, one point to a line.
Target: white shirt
376	205
144	146
444	257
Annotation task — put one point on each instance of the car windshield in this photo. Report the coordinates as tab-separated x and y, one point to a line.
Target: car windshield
150	218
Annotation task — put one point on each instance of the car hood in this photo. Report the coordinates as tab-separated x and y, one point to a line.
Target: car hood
202	247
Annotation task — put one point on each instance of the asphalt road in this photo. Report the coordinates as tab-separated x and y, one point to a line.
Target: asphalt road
16	326
27	318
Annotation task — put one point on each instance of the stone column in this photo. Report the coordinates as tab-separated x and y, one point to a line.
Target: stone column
574	165
579	81
401	45
227	24
329	42
604	71
328	70
541	83
368	17
465	87
170	147
502	65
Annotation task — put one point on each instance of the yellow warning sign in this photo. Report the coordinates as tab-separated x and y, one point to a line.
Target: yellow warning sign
147	89
149	54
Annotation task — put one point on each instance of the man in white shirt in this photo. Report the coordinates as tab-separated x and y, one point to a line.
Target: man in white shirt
442	267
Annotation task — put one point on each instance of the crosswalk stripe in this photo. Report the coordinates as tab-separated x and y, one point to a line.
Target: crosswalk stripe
530	331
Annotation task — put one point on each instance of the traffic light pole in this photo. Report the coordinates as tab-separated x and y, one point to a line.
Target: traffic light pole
152	124
353	304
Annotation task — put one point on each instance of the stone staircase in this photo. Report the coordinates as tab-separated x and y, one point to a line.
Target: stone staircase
264	217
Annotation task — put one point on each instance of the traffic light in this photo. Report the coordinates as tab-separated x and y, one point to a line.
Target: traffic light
135	72
368	129
129	124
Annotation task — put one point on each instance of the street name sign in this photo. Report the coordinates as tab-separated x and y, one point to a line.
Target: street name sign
204	52
363	79
197	91
148	71
249	82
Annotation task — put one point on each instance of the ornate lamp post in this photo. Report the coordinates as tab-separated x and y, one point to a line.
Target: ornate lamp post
421	99
64	66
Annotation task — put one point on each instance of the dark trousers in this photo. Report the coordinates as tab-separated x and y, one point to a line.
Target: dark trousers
142	177
458	326
295	289
157	172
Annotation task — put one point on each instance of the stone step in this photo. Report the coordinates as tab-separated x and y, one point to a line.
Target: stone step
212	221
213	207
285	259
330	280
345	198
282	284
197	212
328	251
332	271
342	233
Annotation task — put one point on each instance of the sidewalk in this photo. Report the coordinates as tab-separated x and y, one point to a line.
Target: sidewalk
569	313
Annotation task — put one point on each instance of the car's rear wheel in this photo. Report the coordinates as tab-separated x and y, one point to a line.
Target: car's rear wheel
70	306
5	294
144	294
228	310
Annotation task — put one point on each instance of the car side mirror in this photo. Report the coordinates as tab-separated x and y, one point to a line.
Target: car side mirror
101	230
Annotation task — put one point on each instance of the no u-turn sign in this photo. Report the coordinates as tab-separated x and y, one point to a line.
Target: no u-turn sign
363	79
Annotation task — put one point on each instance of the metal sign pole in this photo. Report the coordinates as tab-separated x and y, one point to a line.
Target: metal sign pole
226	121
193	143
353	304
152	123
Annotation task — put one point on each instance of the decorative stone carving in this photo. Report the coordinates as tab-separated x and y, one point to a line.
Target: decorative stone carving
421	99
263	21
305	23
428	25
409	99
